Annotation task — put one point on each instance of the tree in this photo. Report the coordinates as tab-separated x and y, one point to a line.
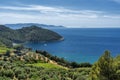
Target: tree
104	69
19	47
7	53
22	76
85	64
74	64
9	73
117	65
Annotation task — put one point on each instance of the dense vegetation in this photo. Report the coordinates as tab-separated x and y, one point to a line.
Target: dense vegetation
62	61
24	64
32	34
106	68
22	71
20	63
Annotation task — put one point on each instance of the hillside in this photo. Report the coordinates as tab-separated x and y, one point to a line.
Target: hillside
25	64
25	34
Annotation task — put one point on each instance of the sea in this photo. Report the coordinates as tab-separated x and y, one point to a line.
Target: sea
82	44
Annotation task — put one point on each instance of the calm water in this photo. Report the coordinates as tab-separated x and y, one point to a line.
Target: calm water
82	45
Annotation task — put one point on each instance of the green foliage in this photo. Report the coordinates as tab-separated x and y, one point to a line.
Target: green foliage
117	62
21	71
5	78
104	68
7	53
4	49
22	76
47	65
62	61
29	65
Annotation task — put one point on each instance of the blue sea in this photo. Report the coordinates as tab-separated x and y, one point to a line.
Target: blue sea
82	44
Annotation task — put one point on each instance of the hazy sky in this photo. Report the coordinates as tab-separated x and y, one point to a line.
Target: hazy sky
71	13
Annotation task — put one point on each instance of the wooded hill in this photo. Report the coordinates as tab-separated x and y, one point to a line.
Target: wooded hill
32	34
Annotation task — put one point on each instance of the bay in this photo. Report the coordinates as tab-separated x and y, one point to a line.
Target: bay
82	44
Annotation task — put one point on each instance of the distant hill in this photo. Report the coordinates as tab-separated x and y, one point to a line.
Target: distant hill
20	25
25	34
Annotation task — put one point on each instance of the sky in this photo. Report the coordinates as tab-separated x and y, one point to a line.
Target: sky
69	13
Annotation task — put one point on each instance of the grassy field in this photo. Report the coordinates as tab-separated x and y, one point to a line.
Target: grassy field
47	65
3	50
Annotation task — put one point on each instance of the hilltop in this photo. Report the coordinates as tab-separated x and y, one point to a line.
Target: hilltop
20	25
26	34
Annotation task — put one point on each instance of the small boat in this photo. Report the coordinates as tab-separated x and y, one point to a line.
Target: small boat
45	44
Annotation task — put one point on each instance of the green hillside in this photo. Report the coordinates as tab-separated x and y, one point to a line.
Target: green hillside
47	65
24	64
32	34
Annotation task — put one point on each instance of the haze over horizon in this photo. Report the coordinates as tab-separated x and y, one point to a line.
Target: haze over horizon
70	13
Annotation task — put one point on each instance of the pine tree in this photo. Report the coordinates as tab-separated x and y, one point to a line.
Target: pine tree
104	68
